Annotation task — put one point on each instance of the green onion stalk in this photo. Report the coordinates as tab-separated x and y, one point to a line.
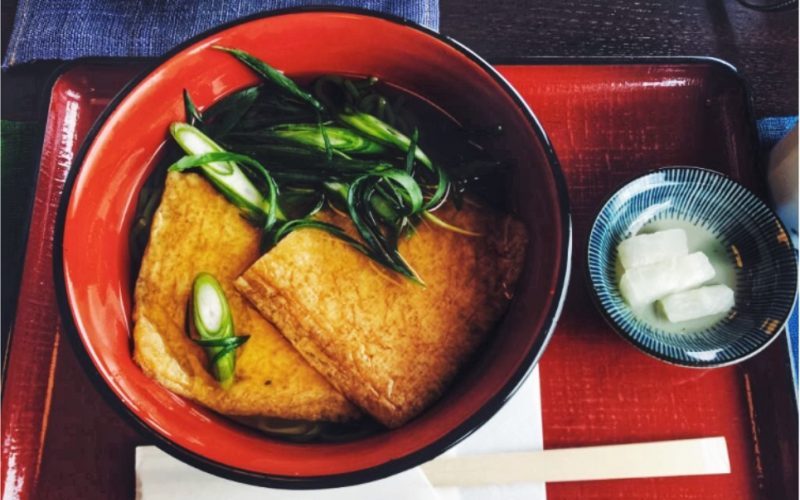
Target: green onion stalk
382	132
359	164
213	324
226	176
344	141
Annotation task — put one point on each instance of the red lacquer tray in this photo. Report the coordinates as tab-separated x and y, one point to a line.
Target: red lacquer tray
609	121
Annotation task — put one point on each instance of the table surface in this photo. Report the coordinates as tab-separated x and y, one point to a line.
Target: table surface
763	46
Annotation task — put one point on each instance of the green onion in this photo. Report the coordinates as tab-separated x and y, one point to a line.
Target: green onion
193	116
382	250
442	188
323	132
340	138
273	75
213	323
337	192
327	100
273	212
383	133
229	111
273	109
412	152
225	174
364	165
299	203
409	193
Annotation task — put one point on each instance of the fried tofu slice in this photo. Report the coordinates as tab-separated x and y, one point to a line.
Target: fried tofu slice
391	346
195	229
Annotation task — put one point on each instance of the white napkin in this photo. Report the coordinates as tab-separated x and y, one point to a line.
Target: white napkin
516	427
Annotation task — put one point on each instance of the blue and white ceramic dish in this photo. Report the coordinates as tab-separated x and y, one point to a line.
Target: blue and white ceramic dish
763	263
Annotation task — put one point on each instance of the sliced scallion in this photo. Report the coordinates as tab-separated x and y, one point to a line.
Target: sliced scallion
227	114
412	152
356	154
193	116
226	175
326	141
213	324
273	75
340	138
382	250
442	188
300	203
382	132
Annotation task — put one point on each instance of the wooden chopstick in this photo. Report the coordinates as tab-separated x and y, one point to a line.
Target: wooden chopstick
685	457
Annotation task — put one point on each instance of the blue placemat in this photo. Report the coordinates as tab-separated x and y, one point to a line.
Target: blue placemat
69	29
770	131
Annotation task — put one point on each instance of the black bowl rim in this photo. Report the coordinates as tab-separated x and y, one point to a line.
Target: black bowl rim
699	364
385	469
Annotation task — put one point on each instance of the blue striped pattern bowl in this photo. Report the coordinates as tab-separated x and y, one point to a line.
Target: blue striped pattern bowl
756	243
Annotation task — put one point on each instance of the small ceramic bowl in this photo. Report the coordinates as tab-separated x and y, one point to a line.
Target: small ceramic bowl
762	260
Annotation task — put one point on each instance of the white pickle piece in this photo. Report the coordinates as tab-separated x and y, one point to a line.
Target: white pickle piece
643	285
697	303
646	249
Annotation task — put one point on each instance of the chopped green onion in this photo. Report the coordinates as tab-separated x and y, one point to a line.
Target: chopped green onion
323	132
340	138
383	133
442	188
225	174
213	323
273	109
353	166
412	151
337	192
273	75
382	250
193	116
410	192
273	212
230	110
299	203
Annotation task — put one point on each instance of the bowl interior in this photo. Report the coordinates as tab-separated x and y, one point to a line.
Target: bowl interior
123	151
755	247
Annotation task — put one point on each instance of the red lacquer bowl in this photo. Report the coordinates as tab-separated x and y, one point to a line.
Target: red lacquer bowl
93	264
